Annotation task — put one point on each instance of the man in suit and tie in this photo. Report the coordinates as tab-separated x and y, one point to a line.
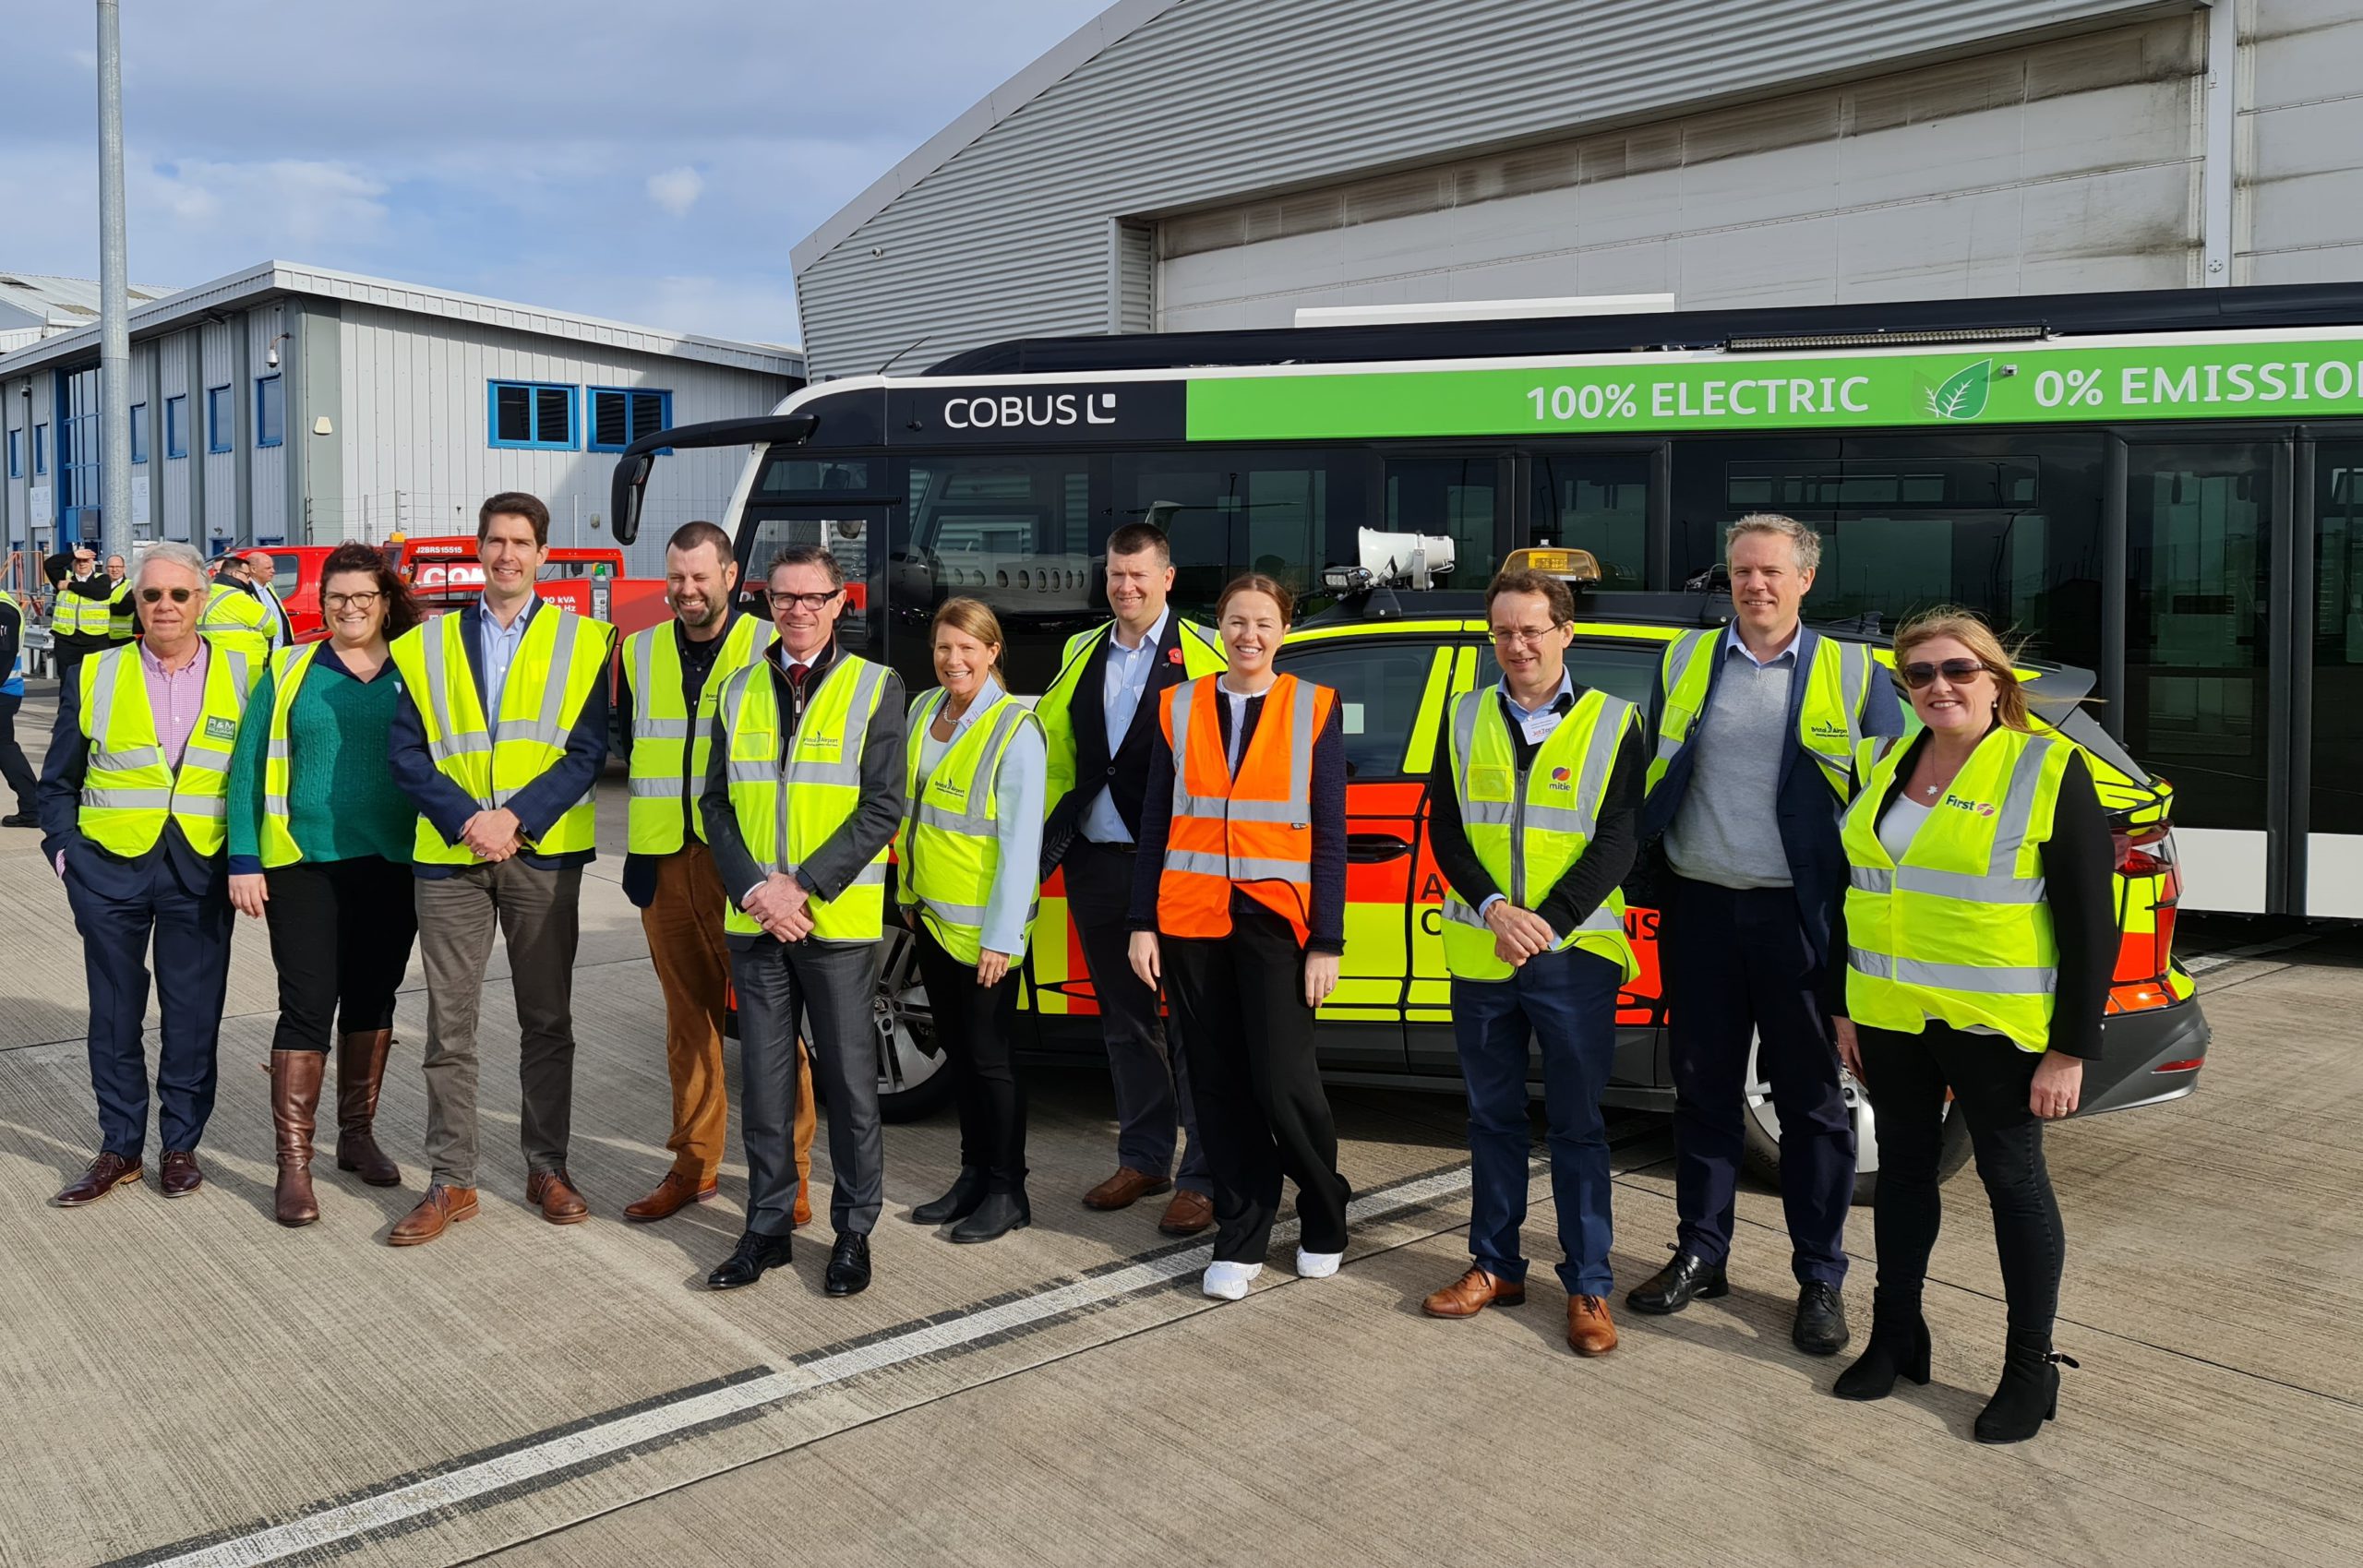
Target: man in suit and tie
1099	717
134	810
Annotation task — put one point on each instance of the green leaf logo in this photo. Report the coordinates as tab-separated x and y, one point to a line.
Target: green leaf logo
1964	393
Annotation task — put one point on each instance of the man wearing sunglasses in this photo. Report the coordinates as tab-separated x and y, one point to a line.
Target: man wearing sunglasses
134	817
1752	762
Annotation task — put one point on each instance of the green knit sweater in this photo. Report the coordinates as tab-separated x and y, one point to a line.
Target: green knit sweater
343	802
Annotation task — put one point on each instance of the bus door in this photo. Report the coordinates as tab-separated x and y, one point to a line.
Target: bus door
2328	703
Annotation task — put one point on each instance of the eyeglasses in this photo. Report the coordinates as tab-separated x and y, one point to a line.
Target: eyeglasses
179	596
351	601
1956	671
1531	636
809	601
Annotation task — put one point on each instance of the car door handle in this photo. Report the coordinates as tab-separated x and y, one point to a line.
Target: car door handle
1373	849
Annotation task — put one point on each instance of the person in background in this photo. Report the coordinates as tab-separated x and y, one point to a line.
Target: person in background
14	766
1536	798
1980	928
968	851
1238	907
673	673
80	613
498	737
1752	762
242	612
319	846
1099	721
802	799
123	616
133	796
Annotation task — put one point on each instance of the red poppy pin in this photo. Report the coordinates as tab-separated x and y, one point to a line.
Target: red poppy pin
1173	655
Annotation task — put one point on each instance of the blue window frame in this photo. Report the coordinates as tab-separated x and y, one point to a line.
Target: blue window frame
139	432
40	448
176	426
620	415
16	454
535	414
271	412
218	418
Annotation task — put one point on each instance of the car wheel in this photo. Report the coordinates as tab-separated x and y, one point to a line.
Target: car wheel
1761	1125
914	1079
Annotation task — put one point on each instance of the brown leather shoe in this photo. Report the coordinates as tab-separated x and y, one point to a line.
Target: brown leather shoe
1472	1293
442	1207
1124	1188
360	1069
1187	1214
673	1194
803	1214
181	1177
554	1194
1589	1330
102	1177
295	1106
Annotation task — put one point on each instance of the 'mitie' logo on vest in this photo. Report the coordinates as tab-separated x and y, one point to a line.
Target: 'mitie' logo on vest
1980	806
1559	778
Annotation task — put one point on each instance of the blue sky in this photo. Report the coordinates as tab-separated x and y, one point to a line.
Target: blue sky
652	164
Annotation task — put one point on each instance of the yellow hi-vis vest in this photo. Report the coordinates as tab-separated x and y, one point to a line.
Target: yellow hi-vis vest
1959	929
1829	720
560	659
288	667
948	848
671	746
240	621
785	815
12	678
1201	655
72	614
1529	832
129	791
121	620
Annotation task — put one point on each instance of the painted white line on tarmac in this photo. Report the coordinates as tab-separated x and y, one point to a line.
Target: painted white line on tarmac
2203	962
403	1504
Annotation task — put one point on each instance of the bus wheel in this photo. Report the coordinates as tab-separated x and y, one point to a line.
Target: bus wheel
1761	1124
914	1080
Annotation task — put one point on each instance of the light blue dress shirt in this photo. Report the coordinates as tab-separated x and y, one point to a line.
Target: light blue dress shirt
498	645
1128	673
1019	787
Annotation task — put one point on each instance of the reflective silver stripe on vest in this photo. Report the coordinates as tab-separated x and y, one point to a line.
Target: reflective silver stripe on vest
103	695
1976	979
1607	731
968	915
2017	815
643	682
1248	869
1184	695
661	789
444	745
128	759
753	772
922	715
214	757
975	822
128	799
1968	886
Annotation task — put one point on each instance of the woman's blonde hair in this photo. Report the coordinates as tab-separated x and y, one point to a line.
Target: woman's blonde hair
975	617
1968	629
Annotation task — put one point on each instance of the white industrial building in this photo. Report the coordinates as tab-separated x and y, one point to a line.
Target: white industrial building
294	404
1187	164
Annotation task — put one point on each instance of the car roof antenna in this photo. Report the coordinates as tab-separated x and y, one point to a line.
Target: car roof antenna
914	343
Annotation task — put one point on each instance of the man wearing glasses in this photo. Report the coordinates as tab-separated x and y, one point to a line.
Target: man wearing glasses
802	797
134	818
1752	764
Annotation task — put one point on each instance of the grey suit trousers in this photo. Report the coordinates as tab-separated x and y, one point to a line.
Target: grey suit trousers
829	986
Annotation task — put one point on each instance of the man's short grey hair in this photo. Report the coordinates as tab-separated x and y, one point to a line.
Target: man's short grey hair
1802	540
171	553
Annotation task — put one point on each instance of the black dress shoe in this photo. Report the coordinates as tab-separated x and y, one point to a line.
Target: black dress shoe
848	1265
1820	1328
996	1216
19	820
965	1193
755	1253
1686	1279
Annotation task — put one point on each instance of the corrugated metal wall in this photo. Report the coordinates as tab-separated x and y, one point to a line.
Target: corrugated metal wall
2300	199
1217	100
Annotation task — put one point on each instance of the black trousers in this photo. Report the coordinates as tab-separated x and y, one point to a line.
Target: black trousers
13	765
341	933
1262	1110
1907	1076
974	1024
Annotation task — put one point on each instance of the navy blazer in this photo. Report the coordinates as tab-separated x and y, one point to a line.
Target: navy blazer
1802	806
539	805
102	871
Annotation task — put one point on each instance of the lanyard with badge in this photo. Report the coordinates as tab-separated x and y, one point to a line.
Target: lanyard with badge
1539	727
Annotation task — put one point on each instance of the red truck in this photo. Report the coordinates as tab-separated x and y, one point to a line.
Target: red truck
443	573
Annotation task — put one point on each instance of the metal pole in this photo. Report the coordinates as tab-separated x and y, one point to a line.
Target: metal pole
114	298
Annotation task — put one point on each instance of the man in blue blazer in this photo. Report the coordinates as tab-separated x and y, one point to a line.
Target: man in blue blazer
1755	726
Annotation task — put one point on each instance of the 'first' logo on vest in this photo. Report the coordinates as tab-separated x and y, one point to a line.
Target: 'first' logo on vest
1980	806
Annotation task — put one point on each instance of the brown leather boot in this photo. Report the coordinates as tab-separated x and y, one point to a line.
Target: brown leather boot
360	1069
295	1103
441	1209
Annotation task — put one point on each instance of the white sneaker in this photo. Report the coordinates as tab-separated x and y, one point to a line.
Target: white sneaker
1229	1282
1317	1265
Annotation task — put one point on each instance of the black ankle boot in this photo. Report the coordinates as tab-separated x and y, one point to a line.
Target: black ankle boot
958	1203
1898	1347
2030	1392
996	1216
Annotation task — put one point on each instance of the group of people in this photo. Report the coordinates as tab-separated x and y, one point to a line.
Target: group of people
1932	914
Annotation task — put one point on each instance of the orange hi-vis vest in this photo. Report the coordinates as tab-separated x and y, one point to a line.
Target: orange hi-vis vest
1252	830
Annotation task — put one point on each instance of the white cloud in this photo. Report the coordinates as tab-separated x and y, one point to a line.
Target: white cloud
295	201
676	190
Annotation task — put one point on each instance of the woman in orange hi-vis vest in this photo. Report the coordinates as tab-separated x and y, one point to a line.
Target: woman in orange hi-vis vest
1238	907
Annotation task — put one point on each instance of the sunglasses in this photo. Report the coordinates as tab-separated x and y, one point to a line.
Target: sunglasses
1957	671
179	596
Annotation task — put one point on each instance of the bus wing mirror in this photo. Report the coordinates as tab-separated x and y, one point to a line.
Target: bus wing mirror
637	460
628	490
